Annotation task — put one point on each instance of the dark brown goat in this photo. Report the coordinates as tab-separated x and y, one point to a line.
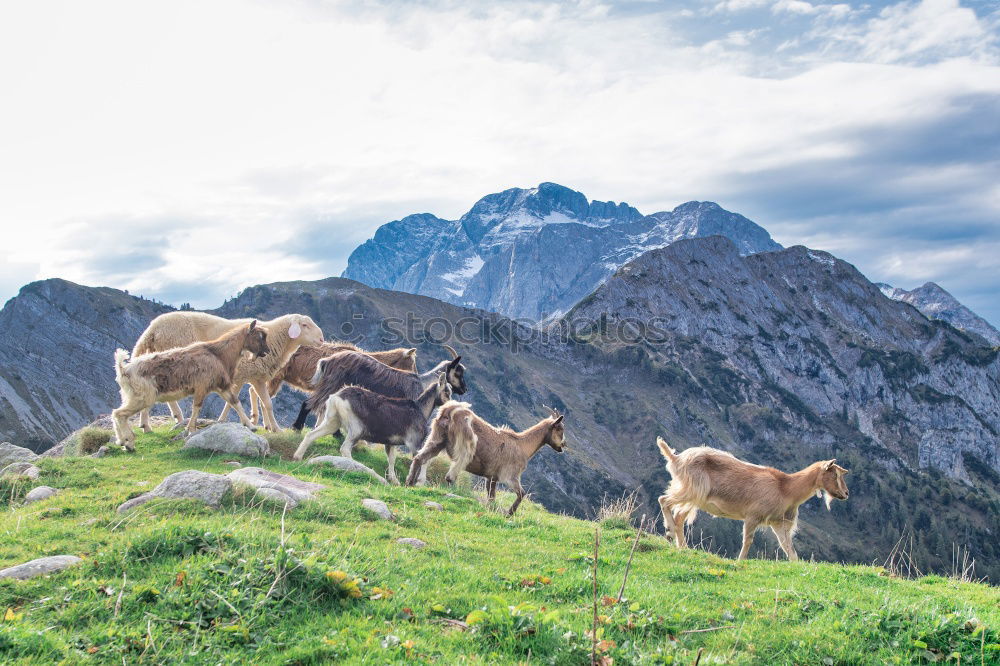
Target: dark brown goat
395	422
301	367
351	368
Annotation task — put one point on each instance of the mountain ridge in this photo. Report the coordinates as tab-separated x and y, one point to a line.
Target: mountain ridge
532	253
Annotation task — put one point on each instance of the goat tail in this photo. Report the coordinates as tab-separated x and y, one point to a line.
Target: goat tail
665	449
121	356
300	420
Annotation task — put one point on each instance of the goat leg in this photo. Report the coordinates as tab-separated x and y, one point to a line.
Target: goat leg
144	420
667	508
390	455
784	534
196	403
749	527
515	485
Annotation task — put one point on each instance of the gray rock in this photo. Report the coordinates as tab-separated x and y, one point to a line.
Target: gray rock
454	496
412	542
9	453
347	465
229	438
101	452
379	508
233	463
191	484
297	489
40	493
22	470
277	496
40	567
434	505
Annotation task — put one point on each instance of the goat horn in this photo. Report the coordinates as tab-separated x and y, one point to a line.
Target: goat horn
454	354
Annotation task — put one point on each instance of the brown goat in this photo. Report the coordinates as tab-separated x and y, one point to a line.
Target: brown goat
301	367
197	370
719	483
498	454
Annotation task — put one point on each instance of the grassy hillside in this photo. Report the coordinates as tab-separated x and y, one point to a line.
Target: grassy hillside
176	582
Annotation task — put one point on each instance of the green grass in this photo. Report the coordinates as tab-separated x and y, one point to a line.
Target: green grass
176	582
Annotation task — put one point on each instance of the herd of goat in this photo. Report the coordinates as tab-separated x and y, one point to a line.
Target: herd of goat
379	397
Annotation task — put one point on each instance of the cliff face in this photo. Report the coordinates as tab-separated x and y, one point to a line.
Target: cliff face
806	336
532	253
57	340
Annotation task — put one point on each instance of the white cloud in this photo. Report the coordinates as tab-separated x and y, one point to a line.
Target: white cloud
227	131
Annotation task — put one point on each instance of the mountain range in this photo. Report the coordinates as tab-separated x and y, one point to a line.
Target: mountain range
532	253
782	356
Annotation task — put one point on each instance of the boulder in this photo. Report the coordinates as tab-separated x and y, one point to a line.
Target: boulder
40	567
38	494
347	465
379	508
434	505
276	496
297	489
229	438
20	470
412	543
191	484
10	453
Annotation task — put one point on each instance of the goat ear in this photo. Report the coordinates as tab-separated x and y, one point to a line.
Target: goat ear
253	325
828	465
454	364
558	420
442	379
412	351
294	330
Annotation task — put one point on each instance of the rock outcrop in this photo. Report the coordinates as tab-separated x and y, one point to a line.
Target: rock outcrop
40	567
229	438
190	484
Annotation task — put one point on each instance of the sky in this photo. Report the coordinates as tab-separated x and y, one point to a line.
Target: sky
185	150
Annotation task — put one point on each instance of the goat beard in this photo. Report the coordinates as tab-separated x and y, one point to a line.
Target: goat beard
827	498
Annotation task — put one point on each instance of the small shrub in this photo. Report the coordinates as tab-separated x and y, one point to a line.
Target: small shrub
13	490
618	512
91	439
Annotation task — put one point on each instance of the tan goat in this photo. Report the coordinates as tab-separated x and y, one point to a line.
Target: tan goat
195	370
287	334
498	454
301	367
719	483
183	327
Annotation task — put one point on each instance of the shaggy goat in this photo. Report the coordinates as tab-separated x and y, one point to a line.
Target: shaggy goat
196	370
395	422
724	486
498	454
349	368
181	328
301	367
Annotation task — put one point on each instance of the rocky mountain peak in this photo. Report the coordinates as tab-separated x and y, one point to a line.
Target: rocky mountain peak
533	253
935	302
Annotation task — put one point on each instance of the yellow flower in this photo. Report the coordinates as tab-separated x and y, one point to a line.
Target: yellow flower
336	576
